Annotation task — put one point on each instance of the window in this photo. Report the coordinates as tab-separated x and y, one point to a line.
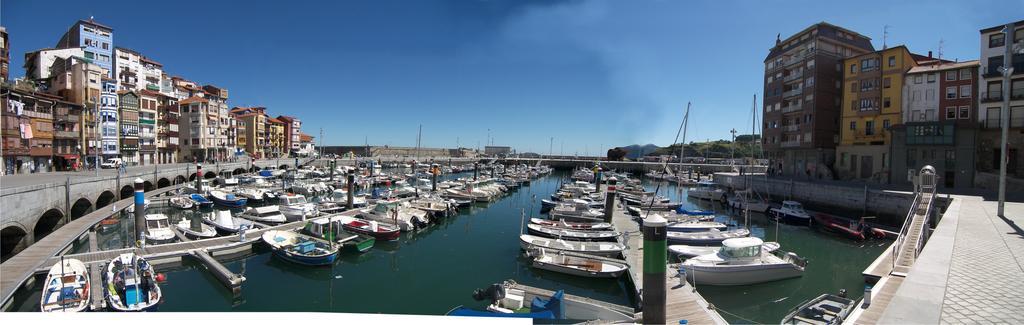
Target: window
90	55
853	68
886	124
965	74
994	63
996	40
892	61
917	79
965	91
950	92
842	159
853	87
853	125
887	82
869	128
950	75
106	46
809	82
886	102
931	78
929	94
965	112
950	113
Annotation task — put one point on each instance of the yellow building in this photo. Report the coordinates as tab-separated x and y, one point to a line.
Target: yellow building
254	120
276	138
872	101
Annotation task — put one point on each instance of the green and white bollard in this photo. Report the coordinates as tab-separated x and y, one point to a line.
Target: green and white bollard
655	257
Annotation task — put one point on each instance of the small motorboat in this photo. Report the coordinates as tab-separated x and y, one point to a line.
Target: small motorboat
331	229
572	225
577	264
270	214
195	228
713	237
130	284
227	199
688	251
681	210
853	229
582	235
791	212
826	309
66	288
696	226
370	227
607	249
158	229
226	223
201	200
299	248
707	190
742	261
295	207
253	195
182	202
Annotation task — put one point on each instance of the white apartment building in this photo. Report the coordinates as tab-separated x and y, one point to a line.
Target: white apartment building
135	71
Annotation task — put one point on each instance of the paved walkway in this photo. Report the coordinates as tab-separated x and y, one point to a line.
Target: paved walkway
971	271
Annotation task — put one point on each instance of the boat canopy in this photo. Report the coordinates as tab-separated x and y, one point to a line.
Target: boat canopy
742	247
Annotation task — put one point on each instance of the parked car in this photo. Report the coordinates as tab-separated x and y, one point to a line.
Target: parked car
112	163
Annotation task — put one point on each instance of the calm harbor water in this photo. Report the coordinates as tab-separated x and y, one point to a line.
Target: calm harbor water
436	269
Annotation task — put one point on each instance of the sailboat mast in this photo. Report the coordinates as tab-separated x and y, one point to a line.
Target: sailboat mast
686	118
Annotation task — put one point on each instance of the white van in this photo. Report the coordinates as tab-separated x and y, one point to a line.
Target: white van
112	163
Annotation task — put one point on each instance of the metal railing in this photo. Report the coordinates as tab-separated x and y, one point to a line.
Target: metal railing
792	108
904	231
793	92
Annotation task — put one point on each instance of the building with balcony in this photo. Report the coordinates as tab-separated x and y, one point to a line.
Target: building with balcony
218	111
109	120
255	121
939	123
872	100
95	39
148	115
198	129
128	104
991	101
167	130
67	135
241	138
40	64
276	138
802	97
5	54
292	131
27	129
135	71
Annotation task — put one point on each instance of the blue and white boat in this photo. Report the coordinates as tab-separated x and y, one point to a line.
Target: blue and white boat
299	248
227	199
201	200
792	212
682	210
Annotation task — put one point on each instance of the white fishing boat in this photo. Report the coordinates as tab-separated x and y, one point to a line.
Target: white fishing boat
158	229
695	226
295	207
582	235
742	261
224	222
745	199
393	213
572	225
196	229
706	190
608	249
254	194
688	251
181	202
791	212
704	238
578	264
66	288
270	214
130	284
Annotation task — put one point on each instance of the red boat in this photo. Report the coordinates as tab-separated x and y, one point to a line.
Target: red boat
857	230
370	228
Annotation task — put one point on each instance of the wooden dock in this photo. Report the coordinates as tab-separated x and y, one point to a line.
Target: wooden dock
682	302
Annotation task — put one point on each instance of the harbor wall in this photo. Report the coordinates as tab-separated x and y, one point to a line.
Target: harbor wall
889	207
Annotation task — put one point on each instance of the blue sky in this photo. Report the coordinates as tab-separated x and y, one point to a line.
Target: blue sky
588	73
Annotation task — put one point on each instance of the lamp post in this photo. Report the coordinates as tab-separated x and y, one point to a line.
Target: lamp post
1004	114
733	154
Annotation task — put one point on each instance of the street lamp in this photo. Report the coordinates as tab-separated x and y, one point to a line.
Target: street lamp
1004	113
733	154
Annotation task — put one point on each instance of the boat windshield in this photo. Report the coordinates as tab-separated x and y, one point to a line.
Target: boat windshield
154	224
295	200
745	251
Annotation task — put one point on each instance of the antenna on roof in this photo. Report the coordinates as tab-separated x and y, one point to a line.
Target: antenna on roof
885	37
941	42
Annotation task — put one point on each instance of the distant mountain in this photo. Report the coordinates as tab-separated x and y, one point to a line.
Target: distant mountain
637	151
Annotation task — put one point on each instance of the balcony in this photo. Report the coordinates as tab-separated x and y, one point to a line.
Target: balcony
789	144
791	128
793	76
66	134
67	118
993	123
147	147
991	96
991	71
785	109
793	92
147	121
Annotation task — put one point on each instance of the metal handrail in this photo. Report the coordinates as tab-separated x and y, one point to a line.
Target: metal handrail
902	236
927	216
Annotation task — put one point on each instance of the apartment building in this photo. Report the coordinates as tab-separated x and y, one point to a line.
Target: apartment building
802	98
872	100
276	138
167	131
67	134
218	110
135	71
994	42
939	125
292	131
5	54
198	128
95	39
148	116
129	125
27	129
255	124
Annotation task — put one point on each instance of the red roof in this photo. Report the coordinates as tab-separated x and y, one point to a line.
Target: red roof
193	99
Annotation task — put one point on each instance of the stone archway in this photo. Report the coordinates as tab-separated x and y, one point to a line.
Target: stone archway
47	223
12	238
179	180
127	191
163	182
106	198
148	186
81	208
